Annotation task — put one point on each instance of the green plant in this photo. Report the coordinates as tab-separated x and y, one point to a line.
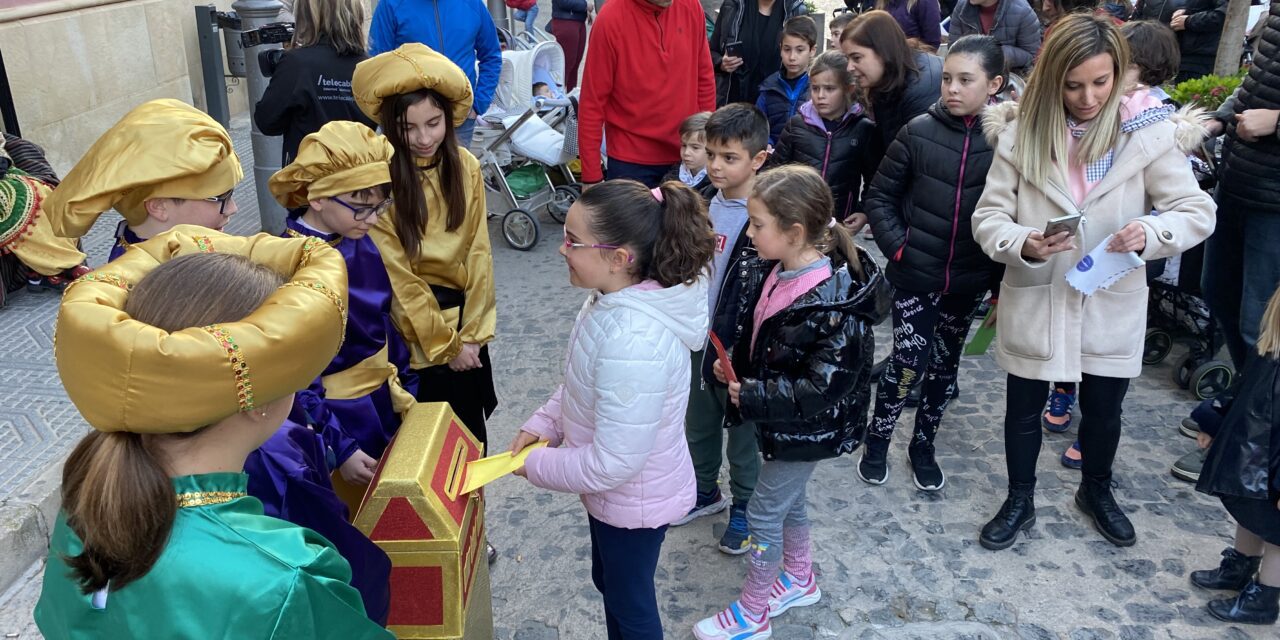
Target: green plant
810	6
1208	92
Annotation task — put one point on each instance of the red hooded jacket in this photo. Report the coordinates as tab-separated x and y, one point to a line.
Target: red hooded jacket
647	69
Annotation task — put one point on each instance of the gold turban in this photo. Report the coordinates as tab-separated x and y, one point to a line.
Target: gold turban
124	375
407	69
161	149
340	158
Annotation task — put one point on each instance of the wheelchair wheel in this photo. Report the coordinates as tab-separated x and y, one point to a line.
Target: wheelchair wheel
1211	379
1184	367
561	199
520	229
1157	346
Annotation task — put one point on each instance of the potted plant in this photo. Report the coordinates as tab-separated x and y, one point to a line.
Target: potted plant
819	19
1207	92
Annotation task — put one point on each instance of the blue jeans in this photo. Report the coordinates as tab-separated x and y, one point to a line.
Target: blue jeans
623	562
528	16
1241	272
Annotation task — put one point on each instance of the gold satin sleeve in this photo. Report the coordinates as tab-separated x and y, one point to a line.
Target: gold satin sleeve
480	314
42	250
431	338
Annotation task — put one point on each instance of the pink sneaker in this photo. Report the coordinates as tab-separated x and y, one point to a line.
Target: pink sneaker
733	624
787	592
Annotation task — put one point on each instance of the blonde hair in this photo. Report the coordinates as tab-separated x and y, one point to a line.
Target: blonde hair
1042	117
1269	341
337	23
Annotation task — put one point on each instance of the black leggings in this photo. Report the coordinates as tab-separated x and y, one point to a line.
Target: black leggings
1100	408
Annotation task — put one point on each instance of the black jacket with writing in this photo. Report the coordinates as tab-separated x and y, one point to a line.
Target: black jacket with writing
311	87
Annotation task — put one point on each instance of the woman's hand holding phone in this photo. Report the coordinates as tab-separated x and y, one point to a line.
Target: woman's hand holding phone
1038	247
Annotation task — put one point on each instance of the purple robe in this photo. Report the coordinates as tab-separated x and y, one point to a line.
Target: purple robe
124	237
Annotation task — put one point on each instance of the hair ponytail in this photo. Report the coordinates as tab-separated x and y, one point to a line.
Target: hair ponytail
120	502
797	194
671	237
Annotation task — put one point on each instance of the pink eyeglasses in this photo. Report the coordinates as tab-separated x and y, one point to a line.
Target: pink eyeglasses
578	245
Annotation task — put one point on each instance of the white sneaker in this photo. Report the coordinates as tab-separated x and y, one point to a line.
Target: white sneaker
733	624
787	592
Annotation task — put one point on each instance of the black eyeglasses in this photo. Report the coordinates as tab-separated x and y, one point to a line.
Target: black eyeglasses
222	201
361	213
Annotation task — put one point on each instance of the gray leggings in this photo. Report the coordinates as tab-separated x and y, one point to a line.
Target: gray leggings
778	503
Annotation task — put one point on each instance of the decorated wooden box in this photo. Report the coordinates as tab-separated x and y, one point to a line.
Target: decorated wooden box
415	511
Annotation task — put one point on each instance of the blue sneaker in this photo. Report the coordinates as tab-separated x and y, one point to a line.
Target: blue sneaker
737	537
1057	418
708	504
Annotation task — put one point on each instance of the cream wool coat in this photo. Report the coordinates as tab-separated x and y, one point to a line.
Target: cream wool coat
1046	329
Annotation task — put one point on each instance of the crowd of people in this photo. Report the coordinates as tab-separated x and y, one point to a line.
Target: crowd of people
729	312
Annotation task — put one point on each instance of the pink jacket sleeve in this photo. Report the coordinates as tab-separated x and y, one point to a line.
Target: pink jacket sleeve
545	422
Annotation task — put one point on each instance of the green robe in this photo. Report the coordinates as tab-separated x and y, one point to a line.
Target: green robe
228	571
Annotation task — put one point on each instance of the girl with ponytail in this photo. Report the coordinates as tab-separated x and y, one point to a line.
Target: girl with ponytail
158	537
803	369
616	425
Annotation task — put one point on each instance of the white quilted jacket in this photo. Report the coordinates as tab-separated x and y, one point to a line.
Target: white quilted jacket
616	425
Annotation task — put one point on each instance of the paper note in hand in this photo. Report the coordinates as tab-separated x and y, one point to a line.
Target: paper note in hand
485	470
723	357
1100	268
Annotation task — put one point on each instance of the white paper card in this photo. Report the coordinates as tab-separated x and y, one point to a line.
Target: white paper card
1100	268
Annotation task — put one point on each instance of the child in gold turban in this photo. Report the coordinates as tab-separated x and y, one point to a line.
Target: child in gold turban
340	183
435	242
163	164
184	355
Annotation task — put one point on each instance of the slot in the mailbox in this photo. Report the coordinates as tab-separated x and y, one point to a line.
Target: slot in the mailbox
457	470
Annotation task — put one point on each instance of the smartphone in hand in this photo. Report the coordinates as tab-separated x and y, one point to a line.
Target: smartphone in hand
733	49
1068	223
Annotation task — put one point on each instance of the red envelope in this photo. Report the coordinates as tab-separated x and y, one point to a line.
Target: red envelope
723	356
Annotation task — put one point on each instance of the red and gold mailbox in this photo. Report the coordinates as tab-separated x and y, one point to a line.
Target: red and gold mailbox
434	534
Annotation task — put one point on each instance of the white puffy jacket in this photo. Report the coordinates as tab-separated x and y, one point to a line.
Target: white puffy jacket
616	425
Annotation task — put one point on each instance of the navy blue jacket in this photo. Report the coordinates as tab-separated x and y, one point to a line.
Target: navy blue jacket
569	10
779	100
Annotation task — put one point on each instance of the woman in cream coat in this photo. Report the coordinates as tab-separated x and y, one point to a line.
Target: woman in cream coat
1126	163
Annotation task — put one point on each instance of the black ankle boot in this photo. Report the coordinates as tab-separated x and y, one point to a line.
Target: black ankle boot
1095	500
1256	604
1233	573
1018	513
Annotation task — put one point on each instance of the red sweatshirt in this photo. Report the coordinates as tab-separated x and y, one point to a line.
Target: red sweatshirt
647	69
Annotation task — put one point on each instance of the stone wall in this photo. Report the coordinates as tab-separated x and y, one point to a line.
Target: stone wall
75	69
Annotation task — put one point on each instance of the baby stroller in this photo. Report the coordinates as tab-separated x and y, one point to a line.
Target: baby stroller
1177	313
527	143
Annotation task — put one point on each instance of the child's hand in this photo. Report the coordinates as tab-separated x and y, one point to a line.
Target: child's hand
359	468
855	222
523	439
1204	440
467	359
718	370
735	388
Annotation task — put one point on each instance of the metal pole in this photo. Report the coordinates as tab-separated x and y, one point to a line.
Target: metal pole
266	149
215	85
498	9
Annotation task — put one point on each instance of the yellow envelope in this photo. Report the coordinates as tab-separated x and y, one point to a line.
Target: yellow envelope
480	472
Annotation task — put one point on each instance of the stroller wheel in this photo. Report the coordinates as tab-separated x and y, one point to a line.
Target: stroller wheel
1211	379
1157	347
520	229
562	198
1185	366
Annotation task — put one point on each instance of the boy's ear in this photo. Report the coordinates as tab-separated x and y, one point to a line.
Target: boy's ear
157	208
758	160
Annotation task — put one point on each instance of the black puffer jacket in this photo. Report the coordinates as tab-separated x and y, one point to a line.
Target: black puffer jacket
1198	42
1244	459
807	383
921	201
1249	177
845	156
924	87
